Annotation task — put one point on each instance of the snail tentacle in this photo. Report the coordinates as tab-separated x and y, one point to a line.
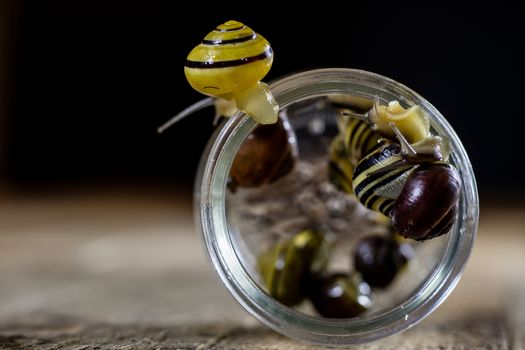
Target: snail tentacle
363	117
197	106
406	148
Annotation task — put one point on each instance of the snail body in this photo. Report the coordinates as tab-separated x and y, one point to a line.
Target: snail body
412	122
229	63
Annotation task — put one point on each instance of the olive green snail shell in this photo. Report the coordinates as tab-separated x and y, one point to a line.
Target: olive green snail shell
287	267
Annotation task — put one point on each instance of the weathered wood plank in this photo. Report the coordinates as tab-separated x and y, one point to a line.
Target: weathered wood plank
473	332
130	273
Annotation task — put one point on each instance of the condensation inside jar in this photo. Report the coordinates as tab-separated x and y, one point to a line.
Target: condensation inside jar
305	198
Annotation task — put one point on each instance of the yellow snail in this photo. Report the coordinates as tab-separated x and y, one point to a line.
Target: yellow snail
228	65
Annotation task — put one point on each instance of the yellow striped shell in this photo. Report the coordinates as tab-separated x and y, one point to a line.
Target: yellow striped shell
340	168
229	59
376	181
356	138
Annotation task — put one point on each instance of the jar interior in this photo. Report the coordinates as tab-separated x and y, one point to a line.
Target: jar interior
305	198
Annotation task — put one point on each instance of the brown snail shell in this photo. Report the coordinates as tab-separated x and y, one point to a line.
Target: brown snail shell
340	295
423	208
443	226
379	259
266	155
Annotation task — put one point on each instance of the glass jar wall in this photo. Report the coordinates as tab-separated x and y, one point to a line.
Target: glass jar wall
241	224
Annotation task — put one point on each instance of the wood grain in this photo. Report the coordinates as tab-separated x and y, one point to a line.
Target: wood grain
127	271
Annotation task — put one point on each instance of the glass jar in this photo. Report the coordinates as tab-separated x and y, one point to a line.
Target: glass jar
232	252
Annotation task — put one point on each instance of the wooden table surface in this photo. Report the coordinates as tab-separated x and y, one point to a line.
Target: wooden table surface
126	270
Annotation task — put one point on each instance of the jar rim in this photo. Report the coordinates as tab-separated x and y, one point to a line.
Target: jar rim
210	212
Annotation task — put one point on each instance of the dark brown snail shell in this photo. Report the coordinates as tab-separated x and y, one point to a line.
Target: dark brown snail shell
423	208
443	226
380	258
339	295
266	155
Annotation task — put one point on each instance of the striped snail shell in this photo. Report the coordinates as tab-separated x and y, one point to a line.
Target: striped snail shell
356	138
229	63
380	176
229	59
405	176
340	169
427	204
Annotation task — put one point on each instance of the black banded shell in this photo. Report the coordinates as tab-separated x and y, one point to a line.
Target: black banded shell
229	59
380	176
340	169
358	138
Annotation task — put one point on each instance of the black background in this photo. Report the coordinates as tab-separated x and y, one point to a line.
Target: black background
91	81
